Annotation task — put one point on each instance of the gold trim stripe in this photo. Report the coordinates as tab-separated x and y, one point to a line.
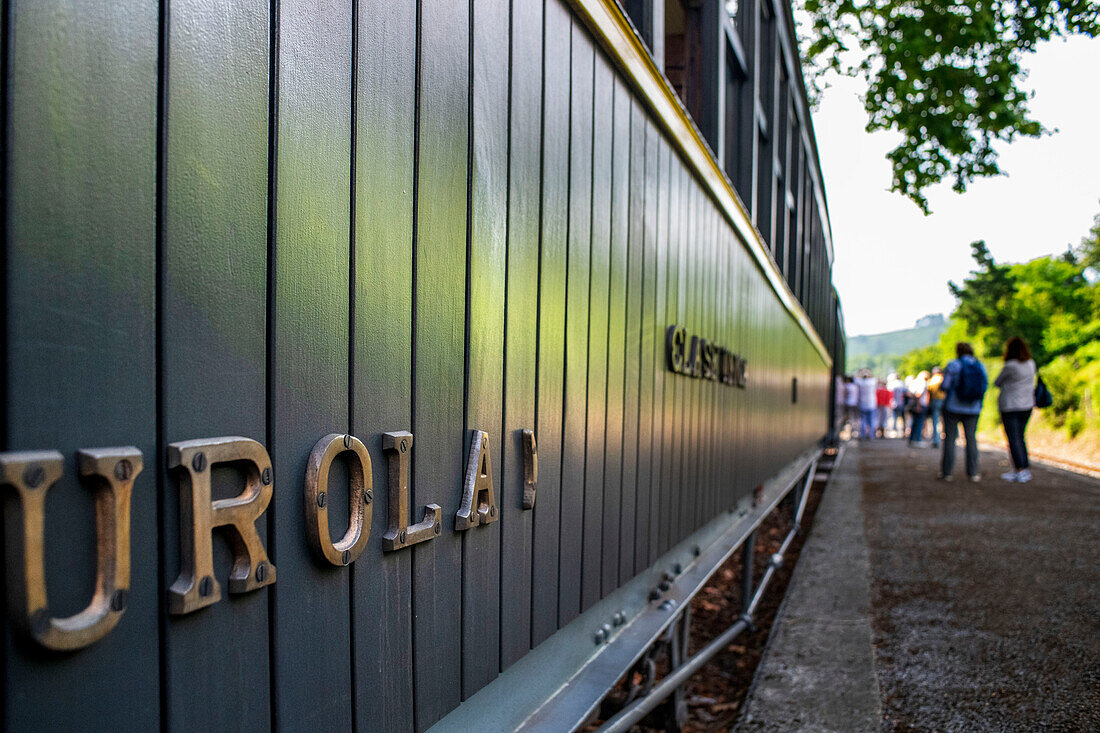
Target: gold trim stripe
606	20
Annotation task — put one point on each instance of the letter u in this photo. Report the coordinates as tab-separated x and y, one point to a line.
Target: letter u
111	473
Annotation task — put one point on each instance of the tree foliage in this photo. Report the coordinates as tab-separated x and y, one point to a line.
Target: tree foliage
920	360
1089	250
946	74
1048	301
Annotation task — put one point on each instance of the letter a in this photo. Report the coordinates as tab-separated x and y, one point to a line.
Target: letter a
196	587
479	502
111	471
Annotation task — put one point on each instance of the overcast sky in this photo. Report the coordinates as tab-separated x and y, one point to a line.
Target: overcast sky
892	262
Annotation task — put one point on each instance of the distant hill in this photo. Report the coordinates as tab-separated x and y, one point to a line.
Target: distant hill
880	351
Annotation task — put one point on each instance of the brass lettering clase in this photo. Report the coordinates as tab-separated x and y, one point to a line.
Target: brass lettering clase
196	587
696	357
398	447
110	472
360	498
479	502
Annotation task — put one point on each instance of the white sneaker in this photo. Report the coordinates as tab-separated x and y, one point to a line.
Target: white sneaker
1023	476
1010	476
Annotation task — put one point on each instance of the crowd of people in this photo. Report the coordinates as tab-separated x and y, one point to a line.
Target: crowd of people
929	408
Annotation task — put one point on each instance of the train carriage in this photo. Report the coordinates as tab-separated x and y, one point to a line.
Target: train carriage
392	365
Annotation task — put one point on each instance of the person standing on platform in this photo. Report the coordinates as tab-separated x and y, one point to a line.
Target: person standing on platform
918	405
936	397
851	405
964	382
1017	397
866	384
883	398
897	387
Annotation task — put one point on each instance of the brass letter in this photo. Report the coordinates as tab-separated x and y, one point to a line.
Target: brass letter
398	447
478	486
360	496
707	372
691	364
530	469
111	472
196	587
674	347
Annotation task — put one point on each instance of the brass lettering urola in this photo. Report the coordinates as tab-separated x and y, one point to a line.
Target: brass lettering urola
111	473
196	587
398	447
360	496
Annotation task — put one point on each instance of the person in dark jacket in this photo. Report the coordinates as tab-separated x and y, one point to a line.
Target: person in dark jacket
959	408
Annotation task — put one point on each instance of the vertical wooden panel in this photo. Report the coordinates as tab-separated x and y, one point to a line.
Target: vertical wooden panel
646	350
698	391
80	153
670	459
311	331
485	377
660	371
521	329
680	417
438	348
551	319
616	336
381	399
695	321
723	437
213	324
709	388
576	326
632	352
5	344
715	389
598	272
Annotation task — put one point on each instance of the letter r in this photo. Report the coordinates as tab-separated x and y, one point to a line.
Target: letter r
196	587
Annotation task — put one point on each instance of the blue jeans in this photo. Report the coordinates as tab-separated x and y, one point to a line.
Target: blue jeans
867	423
951	422
916	432
934	413
899	417
1015	424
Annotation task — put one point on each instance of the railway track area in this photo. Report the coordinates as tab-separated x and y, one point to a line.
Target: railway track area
712	697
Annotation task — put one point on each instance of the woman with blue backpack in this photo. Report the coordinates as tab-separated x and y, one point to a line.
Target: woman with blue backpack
964	382
1016	400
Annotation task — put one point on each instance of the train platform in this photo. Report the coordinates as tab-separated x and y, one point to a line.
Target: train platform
924	605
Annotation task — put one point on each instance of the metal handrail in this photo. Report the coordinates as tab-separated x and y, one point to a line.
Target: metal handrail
626	718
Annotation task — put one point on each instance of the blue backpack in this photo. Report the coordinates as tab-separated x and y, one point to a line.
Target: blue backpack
972	381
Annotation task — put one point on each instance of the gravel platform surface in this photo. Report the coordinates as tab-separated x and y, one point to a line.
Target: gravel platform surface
817	673
985	598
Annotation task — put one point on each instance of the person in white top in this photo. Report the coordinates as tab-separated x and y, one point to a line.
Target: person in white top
866	384
1017	383
895	385
851	404
918	390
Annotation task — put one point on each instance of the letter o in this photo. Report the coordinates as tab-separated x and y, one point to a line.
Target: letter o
360	481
